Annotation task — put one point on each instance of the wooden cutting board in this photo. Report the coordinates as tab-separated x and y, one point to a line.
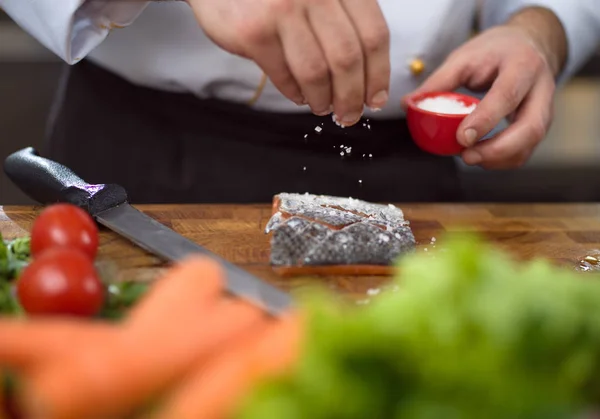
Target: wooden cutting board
563	233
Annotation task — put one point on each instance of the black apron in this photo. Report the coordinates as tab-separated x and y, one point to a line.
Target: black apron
175	148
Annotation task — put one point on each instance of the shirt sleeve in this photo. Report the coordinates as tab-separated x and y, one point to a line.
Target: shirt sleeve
73	29
580	19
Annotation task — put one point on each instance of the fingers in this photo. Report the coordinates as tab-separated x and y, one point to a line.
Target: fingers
513	147
306	62
330	54
338	53
505	95
259	41
343	53
374	36
270	57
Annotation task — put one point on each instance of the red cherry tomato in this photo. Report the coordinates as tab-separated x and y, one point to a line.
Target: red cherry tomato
64	225
61	281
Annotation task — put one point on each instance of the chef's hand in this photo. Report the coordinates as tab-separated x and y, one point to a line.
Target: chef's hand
330	54
518	62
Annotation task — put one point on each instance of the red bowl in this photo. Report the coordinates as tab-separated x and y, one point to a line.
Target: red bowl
435	132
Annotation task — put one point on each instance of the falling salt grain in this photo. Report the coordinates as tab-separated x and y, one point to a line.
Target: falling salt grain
433	240
335	120
370	156
304	168
373	291
342	153
318	129
363	302
359	180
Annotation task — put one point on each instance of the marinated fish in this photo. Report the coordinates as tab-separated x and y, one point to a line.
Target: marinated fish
326	235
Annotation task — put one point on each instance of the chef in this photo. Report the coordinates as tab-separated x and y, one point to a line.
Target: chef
236	100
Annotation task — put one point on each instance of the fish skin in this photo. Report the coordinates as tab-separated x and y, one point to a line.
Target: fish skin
317	230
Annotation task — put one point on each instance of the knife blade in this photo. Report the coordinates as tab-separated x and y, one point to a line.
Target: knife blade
47	182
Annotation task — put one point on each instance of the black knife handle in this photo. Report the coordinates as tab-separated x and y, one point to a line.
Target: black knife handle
48	182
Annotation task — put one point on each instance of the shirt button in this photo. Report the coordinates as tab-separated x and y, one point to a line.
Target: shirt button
417	66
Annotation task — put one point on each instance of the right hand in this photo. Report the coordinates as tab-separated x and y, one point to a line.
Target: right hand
330	54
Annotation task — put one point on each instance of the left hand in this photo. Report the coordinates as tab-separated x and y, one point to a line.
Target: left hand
519	67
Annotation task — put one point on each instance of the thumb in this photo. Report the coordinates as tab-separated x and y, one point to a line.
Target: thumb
447	78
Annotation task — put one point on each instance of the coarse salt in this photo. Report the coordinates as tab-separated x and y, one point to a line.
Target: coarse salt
445	105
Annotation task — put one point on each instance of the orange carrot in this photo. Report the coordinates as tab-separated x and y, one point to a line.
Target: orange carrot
183	291
27	343
212	390
178	323
280	348
23	342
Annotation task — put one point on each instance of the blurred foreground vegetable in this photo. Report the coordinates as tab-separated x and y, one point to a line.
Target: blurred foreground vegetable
470	334
174	340
14	257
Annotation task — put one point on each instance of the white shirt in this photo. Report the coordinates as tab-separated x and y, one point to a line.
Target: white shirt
160	45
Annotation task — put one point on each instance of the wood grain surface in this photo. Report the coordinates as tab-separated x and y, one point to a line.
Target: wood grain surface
563	233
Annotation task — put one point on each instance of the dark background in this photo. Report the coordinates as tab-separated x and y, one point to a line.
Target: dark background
565	168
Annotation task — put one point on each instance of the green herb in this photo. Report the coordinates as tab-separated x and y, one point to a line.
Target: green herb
470	334
9	387
14	257
8	301
121	297
20	248
5	260
8	382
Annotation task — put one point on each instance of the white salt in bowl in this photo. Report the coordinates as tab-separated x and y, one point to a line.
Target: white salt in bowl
433	119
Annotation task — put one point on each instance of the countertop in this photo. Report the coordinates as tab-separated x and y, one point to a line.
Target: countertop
563	233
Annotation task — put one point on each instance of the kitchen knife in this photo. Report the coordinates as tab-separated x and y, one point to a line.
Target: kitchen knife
47	182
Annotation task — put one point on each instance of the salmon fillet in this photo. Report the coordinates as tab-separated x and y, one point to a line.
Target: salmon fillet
326	235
